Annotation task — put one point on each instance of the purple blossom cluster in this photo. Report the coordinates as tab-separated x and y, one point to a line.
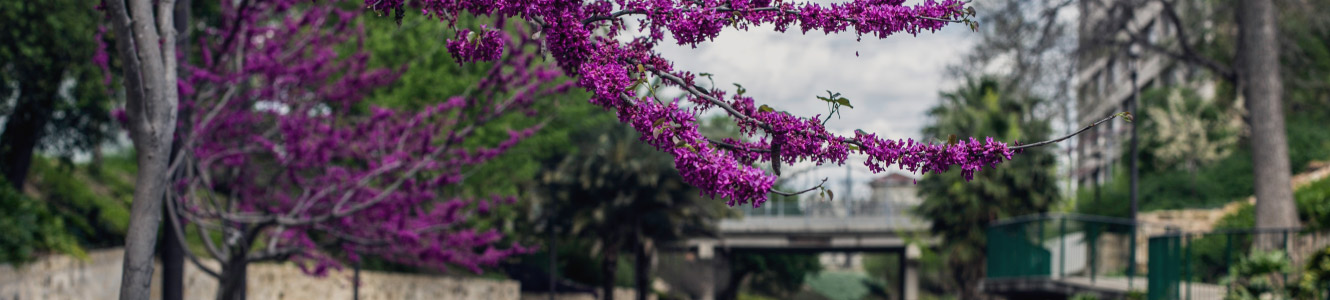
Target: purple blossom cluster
280	147
469	46
592	41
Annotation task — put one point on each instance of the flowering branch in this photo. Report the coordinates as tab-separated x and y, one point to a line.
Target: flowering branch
611	60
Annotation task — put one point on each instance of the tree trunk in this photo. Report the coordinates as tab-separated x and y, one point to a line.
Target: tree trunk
731	290
1258	69
642	269
173	262
25	125
173	251
150	103
609	264
232	284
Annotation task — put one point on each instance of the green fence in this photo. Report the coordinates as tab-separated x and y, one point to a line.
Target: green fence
1065	246
1106	253
1219	264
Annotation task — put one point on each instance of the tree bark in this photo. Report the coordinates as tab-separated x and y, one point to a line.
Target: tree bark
151	102
172	248
1258	65
609	265
642	269
731	290
232	285
25	125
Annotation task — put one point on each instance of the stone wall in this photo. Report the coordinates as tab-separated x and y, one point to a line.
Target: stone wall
1203	220
619	294
98	277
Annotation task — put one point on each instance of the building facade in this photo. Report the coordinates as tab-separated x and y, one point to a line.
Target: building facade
1104	83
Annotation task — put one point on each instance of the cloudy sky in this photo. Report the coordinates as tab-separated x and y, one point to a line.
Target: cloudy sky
891	82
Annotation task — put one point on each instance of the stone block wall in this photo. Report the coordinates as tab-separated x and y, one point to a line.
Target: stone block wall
98	277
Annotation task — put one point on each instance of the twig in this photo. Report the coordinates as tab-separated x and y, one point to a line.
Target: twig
1065	136
774	191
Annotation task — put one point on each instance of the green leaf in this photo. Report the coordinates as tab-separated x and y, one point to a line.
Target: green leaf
1125	116
951	140
831	196
741	89
844	102
765	108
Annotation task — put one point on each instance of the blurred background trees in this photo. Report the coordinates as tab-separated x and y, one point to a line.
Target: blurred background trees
51	95
961	210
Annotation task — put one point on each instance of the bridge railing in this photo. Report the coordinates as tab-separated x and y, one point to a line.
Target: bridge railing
1068	246
815	208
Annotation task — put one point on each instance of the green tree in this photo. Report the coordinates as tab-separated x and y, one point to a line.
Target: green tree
960	210
625	196
778	275
51	95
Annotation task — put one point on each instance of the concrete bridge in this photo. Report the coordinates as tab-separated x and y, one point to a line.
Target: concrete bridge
866	226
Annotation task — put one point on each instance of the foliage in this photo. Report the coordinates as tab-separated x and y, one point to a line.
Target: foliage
95	208
931	271
1251	278
283	160
619	194
51	90
1212	254
614	69
1314	204
431	74
27	228
1183	131
1084	296
839	285
960	210
775	275
1315	280
1230	178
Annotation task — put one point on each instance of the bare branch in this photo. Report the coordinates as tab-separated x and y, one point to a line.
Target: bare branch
1065	137
819	185
174	218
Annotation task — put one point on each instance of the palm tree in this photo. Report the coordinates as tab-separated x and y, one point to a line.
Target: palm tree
961	210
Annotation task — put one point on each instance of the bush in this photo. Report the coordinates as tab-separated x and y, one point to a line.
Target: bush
95	208
28	228
1211	254
1314	204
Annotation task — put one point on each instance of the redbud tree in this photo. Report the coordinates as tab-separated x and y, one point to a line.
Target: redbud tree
281	160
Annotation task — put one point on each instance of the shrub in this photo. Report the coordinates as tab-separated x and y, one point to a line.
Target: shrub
28	228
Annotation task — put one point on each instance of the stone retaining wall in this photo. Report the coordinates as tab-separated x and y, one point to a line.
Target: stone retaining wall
98	277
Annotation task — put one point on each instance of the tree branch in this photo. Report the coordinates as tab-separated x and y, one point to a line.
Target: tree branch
1065	137
174	218
819	185
726	8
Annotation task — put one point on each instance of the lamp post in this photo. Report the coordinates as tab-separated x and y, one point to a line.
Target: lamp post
1132	56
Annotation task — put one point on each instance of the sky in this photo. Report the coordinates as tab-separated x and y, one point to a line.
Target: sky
891	82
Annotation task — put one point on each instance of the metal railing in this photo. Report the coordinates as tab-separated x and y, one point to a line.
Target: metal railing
815	208
1165	263
1067	246
1207	265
